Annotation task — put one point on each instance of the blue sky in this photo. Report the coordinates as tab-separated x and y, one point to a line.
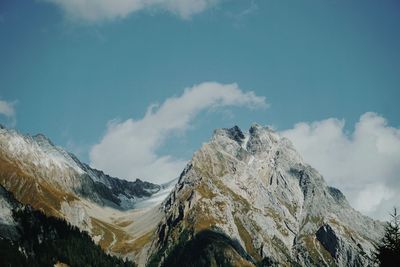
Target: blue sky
67	73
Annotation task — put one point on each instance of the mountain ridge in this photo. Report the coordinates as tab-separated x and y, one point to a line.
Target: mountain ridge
244	199
55	182
77	175
30	238
267	197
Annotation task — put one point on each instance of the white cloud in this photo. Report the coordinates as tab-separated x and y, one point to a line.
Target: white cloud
7	109
364	164
97	10
128	148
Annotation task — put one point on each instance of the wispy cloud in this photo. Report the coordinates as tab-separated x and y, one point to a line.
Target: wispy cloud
99	10
128	148
7	110
239	17
365	164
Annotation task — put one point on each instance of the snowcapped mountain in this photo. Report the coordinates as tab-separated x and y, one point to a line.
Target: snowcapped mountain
48	178
244	199
38	162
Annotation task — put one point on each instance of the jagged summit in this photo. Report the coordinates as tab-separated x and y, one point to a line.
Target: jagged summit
257	139
37	162
255	188
245	198
233	133
41	138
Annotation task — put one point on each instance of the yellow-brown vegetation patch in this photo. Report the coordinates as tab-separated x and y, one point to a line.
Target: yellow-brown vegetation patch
315	249
202	219
239	201
123	223
246	237
32	190
236	259
348	232
205	191
115	239
142	241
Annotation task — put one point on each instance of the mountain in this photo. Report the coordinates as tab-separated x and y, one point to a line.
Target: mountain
244	199
30	238
250	200
51	180
54	168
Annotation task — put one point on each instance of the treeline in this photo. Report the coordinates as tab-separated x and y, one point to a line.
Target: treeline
388	250
44	241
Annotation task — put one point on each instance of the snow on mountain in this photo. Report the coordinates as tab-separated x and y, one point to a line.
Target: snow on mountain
50	179
245	199
39	157
255	189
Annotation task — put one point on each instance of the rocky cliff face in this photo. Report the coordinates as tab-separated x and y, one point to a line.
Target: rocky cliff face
54	181
30	238
35	163
8	225
245	199
263	205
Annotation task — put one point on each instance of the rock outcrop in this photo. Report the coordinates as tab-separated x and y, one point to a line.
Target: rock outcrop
255	189
244	199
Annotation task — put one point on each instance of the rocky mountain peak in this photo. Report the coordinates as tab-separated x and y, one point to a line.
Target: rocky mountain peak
255	188
247	198
258	139
255	127
261	139
234	133
42	139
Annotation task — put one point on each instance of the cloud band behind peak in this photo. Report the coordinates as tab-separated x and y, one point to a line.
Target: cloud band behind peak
128	148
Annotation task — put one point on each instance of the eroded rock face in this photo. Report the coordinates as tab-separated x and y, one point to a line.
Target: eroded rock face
34	162
255	188
342	251
329	240
8	225
50	179
250	192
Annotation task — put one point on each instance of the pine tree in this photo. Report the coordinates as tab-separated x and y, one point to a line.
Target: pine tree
388	251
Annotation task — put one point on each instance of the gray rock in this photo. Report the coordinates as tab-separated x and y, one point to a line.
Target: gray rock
256	189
